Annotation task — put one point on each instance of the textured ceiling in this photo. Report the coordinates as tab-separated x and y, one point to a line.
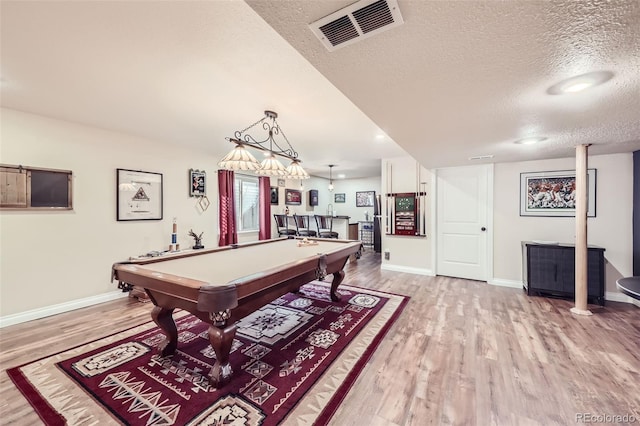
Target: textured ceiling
458	79
467	78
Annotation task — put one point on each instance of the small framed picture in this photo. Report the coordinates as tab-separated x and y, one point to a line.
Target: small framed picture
313	197
274	195
365	198
197	183
292	197
281	183
339	198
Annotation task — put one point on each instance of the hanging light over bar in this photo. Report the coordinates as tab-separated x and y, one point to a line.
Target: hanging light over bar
331	177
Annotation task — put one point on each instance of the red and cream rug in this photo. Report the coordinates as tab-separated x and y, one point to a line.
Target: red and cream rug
293	360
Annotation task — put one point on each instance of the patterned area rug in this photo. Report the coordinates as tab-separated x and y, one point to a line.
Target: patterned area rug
293	360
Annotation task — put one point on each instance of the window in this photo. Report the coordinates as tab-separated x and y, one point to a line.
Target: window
246	192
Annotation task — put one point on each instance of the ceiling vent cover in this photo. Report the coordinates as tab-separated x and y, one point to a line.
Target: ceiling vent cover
358	21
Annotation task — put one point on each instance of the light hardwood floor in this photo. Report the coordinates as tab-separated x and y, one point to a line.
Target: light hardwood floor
463	352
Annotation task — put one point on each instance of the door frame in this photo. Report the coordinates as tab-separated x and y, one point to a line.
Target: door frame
489	205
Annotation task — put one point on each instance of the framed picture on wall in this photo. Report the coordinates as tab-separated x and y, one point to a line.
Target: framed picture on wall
292	197
339	198
365	198
313	197
197	183
274	195
554	193
139	195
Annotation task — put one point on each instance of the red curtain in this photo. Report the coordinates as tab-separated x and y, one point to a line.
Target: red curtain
227	213
264	183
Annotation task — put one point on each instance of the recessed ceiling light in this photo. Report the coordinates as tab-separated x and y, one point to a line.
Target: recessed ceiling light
577	86
530	141
580	82
342	176
379	137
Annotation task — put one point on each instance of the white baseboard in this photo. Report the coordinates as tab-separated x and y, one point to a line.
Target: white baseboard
615	296
505	283
407	269
34	314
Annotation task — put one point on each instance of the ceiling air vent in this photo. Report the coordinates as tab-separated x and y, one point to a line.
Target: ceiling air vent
358	21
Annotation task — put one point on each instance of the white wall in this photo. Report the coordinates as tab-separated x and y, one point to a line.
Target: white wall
49	258
58	260
407	253
349	187
611	228
53	258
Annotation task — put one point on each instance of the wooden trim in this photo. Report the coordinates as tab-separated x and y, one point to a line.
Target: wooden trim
40	169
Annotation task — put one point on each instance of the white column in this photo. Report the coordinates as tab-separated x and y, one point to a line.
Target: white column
580	307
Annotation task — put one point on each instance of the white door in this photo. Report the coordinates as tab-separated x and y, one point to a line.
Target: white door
461	222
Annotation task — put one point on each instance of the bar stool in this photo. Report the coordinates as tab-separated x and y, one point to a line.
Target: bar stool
325	226
282	223
302	226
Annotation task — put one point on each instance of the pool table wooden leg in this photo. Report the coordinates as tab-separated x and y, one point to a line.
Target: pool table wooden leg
163	317
337	279
221	340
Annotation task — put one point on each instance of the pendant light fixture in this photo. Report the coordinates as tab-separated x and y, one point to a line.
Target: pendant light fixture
241	159
331	177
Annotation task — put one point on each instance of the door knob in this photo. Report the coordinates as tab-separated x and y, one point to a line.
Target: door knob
483	229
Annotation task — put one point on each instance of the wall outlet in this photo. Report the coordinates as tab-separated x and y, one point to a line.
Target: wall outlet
387	255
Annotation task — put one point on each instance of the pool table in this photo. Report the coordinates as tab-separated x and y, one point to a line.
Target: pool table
222	285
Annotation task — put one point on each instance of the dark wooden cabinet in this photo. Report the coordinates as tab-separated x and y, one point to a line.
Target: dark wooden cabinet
353	231
549	269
